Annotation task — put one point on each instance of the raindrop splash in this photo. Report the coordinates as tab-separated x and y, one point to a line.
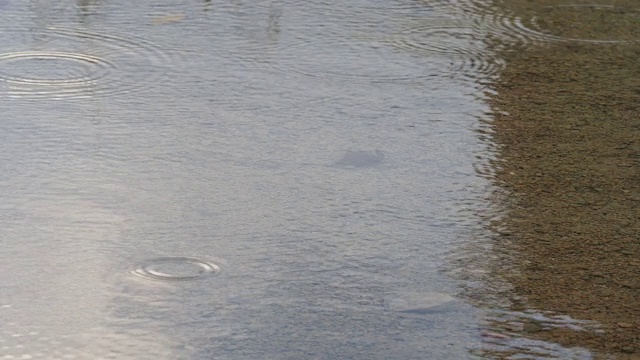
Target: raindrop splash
176	269
57	63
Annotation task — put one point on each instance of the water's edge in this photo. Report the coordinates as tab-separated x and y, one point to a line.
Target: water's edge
567	130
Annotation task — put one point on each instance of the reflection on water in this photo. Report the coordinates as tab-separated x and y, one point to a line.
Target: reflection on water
205	134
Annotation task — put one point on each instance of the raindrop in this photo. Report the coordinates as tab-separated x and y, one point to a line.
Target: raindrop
56	63
342	59
176	268
571	22
464	45
576	22
52	68
360	43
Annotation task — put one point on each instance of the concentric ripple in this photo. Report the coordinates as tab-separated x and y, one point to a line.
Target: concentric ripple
359	42
575	22
52	68
414	56
464	45
176	269
567	22
359	61
493	21
58	62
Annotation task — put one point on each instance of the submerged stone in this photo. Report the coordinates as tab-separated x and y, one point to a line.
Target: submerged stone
418	303
361	158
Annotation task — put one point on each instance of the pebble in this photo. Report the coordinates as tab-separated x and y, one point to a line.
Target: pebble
419	303
628	285
361	158
531	328
513	327
625	325
495	335
600	280
628	349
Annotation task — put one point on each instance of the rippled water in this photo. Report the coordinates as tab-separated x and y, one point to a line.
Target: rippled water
312	171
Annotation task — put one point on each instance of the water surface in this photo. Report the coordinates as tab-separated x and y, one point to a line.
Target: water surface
172	184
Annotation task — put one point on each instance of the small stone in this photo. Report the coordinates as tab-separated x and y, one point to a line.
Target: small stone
625	325
531	328
600	281
419	303
495	335
628	349
513	327
361	158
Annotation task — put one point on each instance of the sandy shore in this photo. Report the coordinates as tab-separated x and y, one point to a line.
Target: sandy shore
567	126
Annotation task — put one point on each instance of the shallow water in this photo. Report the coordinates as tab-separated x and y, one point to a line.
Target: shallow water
149	142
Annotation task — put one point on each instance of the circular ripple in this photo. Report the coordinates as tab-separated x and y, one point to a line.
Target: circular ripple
359	43
59	62
367	58
493	22
462	44
176	268
575	22
52	68
359	61
571	23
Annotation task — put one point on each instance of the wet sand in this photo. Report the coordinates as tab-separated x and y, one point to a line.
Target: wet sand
567	126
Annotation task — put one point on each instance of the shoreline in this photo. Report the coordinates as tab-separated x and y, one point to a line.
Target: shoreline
567	128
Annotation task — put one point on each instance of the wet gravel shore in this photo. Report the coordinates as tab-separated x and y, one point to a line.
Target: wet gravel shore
567	126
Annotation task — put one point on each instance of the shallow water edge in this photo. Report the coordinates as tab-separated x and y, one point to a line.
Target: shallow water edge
567	130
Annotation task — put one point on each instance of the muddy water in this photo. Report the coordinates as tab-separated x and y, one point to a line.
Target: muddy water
272	180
